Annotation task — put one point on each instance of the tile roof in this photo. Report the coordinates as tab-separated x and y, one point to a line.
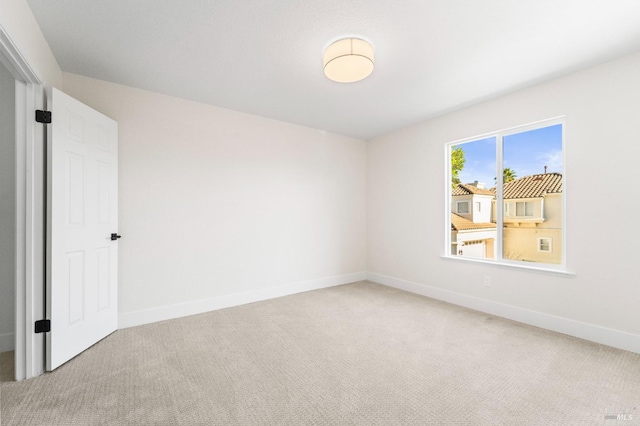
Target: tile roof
466	189
533	186
459	223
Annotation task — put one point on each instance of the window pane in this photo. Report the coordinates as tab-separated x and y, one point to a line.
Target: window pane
545	244
473	170
532	170
528	209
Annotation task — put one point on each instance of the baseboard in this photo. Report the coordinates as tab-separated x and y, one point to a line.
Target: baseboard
7	342
591	332
147	316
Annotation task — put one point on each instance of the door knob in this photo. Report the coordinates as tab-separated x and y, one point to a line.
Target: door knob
114	237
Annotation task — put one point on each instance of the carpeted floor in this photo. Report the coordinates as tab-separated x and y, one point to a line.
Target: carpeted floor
7	366
358	354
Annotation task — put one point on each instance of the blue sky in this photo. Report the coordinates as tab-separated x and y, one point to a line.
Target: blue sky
526	153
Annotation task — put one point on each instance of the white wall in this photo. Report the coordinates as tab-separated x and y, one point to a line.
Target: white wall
7	210
406	173
18	21
216	203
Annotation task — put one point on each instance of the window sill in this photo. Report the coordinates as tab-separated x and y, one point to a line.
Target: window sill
493	263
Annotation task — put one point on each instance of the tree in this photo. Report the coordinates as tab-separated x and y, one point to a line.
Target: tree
457	164
513	254
508	175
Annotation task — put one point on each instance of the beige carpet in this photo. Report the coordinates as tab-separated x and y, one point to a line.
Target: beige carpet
7	366
359	354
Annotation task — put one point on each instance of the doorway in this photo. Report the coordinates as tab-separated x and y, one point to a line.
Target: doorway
7	224
22	279
30	141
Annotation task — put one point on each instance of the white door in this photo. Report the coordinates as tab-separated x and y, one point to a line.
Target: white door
82	259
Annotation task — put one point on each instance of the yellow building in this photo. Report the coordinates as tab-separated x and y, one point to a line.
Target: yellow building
532	207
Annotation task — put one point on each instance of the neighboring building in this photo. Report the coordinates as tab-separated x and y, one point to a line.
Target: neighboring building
532	220
472	232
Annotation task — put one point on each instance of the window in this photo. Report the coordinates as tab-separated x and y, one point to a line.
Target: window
530	163
524	208
544	245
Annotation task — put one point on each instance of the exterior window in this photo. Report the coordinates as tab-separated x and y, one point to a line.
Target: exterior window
524	208
544	245
518	173
463	207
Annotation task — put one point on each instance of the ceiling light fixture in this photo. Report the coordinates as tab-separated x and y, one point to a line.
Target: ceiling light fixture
348	60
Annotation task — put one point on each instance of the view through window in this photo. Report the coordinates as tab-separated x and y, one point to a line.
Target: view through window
528	226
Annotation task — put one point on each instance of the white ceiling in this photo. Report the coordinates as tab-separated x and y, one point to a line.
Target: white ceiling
264	57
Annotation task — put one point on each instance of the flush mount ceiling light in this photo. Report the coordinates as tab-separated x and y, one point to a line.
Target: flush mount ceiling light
348	60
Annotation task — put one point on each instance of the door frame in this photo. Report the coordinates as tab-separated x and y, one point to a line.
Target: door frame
30	211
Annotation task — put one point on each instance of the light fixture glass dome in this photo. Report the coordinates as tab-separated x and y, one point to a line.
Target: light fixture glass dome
348	60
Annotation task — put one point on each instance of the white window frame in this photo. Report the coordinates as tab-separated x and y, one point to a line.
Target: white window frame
500	213
550	244
458	207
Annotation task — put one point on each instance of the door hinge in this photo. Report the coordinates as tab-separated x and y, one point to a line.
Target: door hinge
43	326
43	116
